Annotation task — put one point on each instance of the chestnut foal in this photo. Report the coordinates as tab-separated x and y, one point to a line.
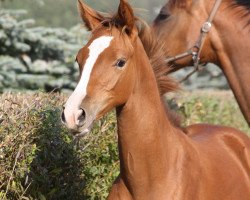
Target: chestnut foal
158	161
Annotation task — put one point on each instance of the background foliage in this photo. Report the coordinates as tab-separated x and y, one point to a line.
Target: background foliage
63	13
39	159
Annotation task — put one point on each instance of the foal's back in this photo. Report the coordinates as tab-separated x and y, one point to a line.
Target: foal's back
224	155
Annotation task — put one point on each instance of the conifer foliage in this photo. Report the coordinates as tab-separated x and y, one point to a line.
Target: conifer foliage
34	58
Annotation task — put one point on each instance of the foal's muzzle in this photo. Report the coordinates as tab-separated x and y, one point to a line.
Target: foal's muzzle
76	121
78	118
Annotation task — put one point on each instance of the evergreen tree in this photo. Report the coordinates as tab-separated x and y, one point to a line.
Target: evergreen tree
36	57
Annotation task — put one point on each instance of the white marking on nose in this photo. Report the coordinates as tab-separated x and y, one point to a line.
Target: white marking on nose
73	103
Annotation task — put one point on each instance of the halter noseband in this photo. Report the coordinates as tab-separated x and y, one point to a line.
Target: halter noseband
195	51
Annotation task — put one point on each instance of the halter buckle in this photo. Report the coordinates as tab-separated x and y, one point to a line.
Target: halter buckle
194	56
206	27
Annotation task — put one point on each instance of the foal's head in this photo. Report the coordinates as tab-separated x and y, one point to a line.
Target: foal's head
106	67
108	70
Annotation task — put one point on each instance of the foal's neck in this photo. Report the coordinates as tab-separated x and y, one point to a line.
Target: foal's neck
145	135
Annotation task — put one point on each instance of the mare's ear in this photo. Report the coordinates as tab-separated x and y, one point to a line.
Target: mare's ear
90	17
125	16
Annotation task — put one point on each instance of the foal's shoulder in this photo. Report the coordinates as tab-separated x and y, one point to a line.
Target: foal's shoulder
214	138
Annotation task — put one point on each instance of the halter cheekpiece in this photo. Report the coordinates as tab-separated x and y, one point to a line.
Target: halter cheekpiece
195	51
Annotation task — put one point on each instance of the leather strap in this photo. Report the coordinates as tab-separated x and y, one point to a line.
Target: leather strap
195	51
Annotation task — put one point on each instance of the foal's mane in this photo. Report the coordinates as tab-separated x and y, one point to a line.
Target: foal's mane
154	49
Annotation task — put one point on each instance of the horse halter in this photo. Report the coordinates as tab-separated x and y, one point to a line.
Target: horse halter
195	51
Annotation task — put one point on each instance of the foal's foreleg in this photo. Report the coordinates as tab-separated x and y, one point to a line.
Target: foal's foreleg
119	191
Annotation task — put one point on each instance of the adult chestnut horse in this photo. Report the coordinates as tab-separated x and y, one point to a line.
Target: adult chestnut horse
227	44
158	161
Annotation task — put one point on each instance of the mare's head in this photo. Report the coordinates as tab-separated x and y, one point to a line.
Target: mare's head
107	66
179	23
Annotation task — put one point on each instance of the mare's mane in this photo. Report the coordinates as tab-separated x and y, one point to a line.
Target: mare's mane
241	7
244	3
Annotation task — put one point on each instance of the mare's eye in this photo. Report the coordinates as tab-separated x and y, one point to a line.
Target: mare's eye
162	16
106	24
120	63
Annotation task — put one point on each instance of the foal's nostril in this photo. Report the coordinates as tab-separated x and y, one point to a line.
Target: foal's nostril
81	117
63	117
77	118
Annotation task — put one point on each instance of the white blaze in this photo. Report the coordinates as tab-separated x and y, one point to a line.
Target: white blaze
73	103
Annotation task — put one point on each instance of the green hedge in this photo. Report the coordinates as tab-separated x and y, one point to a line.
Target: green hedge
40	160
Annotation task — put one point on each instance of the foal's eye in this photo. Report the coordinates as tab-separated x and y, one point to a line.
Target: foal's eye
120	63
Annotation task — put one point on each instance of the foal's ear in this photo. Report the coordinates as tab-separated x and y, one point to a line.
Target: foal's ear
125	16
90	17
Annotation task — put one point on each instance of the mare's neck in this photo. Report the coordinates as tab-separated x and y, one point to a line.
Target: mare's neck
231	43
230	37
147	140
